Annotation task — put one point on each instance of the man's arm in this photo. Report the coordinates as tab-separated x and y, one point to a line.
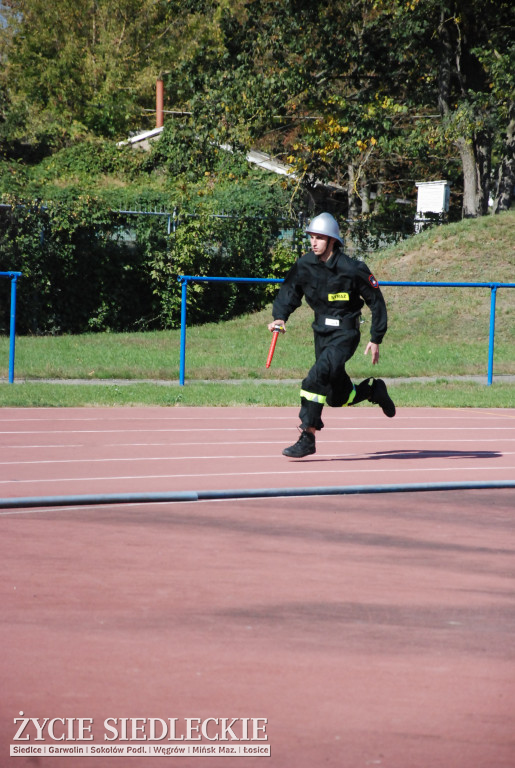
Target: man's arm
289	297
374	349
370	291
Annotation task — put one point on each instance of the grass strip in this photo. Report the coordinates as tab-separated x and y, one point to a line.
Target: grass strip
441	393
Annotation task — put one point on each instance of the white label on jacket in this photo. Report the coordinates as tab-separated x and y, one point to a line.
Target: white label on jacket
332	321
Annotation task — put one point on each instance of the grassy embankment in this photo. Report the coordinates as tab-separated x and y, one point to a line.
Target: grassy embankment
435	332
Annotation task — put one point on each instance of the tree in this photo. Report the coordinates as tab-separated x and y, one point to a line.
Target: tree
315	83
76	68
357	92
348	89
474	48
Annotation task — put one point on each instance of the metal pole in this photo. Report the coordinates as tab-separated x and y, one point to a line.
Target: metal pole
12	327
493	296
182	361
159	103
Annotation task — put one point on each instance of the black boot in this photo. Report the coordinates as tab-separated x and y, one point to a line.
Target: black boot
379	394
304	446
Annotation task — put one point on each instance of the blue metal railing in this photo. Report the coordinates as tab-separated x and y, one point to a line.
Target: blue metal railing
12	322
185	279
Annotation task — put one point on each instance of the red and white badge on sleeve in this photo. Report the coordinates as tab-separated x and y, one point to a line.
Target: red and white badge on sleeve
373	282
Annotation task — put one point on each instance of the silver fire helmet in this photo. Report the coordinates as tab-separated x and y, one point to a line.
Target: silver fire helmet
324	224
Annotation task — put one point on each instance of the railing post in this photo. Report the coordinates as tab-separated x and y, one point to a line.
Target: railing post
493	296
182	359
12	326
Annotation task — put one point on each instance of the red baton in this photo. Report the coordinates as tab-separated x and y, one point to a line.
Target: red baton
275	334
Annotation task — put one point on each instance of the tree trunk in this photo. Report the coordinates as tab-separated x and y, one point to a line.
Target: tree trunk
353	211
476	151
364	193
468	162
506	174
483	157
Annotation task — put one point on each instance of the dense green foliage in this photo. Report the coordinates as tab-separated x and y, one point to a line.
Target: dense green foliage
78	68
77	276
87	268
108	260
365	96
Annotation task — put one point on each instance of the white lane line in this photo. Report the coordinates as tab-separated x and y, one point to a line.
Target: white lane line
339	471
403	442
91	507
382	454
249	414
423	441
394	429
49	445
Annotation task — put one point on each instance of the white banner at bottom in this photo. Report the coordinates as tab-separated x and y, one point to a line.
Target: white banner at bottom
150	750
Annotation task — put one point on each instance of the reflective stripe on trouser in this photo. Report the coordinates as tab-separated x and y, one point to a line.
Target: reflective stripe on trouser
352	397
327	400
313	397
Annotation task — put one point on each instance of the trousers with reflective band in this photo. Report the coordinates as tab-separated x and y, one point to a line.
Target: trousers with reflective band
313	397
322	399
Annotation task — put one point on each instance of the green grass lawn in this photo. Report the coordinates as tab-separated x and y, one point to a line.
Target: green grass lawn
440	393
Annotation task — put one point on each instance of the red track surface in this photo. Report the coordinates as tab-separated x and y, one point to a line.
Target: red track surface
368	631
48	452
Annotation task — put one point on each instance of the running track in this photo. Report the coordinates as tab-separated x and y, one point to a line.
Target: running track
49	452
368	631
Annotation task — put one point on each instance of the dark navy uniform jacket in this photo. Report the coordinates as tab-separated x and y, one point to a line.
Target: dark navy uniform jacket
336	291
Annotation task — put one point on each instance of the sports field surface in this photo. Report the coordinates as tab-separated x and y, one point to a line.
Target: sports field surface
369	629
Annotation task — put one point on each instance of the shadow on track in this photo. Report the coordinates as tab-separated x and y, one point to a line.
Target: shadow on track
414	454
